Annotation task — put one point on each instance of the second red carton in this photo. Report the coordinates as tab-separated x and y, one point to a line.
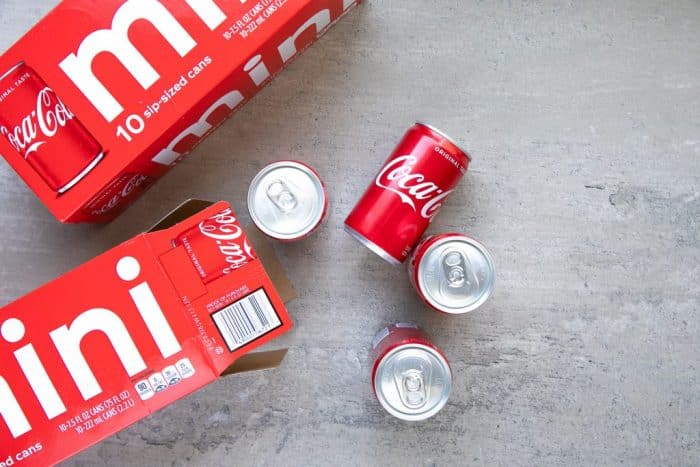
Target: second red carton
129	332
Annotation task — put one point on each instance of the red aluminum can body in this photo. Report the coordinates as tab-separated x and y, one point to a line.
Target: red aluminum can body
217	246
44	131
407	193
396	335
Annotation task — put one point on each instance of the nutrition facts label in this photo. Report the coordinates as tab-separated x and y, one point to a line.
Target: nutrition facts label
159	381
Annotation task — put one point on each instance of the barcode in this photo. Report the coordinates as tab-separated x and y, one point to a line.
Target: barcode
246	320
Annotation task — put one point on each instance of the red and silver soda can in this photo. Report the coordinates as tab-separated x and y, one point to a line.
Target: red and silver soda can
452	273
217	246
287	200
411	377
407	193
44	131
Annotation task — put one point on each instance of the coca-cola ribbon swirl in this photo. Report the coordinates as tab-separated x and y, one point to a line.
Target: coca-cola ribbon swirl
422	196
48	117
230	238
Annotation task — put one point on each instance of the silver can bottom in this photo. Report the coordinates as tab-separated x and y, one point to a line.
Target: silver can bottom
376	249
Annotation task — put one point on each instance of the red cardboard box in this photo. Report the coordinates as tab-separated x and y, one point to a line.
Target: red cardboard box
128	333
100	99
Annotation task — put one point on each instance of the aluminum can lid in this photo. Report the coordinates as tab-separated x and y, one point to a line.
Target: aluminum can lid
456	274
413	382
287	200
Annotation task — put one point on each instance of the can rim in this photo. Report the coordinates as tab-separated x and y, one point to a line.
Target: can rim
373	247
13	68
256	181
482	298
447	137
417	416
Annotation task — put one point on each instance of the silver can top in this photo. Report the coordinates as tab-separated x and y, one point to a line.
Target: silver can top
287	200
456	274
413	382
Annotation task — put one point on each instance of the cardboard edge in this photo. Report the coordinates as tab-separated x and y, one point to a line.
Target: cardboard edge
256	361
185	210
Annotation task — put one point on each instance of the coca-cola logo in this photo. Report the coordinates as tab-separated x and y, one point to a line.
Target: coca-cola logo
49	116
135	181
414	190
224	229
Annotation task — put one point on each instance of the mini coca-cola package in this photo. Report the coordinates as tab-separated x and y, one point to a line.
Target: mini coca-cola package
100	99
131	331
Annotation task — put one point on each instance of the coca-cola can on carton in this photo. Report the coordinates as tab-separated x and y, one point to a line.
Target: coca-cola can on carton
44	131
287	200
411	377
452	273
217	246
407	193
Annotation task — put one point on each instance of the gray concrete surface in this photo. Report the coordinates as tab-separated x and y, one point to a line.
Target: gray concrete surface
584	120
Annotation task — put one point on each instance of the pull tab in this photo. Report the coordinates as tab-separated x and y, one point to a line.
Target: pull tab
414	394
458	271
412	376
281	196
